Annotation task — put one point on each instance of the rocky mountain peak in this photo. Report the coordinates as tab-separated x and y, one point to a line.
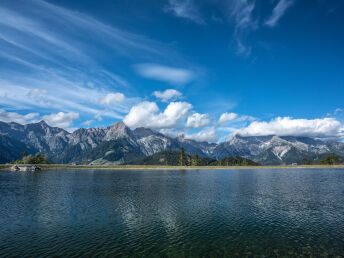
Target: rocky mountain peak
141	132
118	126
118	130
181	138
43	123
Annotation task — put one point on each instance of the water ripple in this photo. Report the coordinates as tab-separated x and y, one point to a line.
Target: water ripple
219	213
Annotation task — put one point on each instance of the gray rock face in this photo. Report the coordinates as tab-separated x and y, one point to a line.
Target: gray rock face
87	138
39	136
25	168
56	142
151	142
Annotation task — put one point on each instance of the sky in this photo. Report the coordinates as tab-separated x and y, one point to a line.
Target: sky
205	69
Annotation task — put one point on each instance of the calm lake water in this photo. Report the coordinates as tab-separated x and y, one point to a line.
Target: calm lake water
209	213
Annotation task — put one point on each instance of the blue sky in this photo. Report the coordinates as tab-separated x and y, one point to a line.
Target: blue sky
204	69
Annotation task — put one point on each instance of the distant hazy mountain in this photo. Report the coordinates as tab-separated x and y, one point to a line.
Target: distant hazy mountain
118	144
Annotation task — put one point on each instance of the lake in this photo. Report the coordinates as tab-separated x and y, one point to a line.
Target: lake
175	213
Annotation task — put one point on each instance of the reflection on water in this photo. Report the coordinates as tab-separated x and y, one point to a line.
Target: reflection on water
172	213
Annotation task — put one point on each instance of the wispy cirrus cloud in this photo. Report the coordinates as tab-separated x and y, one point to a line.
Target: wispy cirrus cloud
247	18
172	75
278	12
50	58
241	12
184	9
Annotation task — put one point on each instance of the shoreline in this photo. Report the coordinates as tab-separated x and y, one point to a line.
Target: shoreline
4	167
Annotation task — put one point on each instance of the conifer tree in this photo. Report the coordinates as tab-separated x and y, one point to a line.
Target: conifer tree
181	157
196	161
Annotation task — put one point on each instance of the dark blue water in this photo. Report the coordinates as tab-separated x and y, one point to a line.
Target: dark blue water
210	213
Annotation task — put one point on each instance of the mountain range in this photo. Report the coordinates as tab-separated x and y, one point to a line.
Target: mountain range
118	144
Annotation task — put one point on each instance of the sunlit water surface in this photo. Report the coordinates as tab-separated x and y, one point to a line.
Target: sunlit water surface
176	213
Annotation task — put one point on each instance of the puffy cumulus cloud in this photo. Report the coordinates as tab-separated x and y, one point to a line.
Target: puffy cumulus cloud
227	117
18	118
206	135
141	113
61	119
163	73
167	95
111	99
147	114
197	120
286	126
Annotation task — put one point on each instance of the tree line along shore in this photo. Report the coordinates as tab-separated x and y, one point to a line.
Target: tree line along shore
177	159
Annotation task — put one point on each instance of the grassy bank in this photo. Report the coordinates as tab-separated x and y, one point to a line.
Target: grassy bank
61	166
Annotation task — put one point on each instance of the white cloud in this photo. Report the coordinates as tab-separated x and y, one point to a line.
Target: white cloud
59	67
184	9
278	12
227	117
167	95
18	118
171	132
241	11
147	114
338	111
61	119
163	73
206	135
197	120
88	122
99	115
286	126
112	99
246	118
37	92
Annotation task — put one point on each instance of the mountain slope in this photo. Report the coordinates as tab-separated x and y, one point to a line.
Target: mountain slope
169	158
152	142
39	136
11	149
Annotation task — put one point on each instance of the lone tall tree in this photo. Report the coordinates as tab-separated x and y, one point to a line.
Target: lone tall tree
181	157
196	161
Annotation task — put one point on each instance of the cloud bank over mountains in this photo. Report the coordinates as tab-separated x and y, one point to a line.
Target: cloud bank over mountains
285	126
180	117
